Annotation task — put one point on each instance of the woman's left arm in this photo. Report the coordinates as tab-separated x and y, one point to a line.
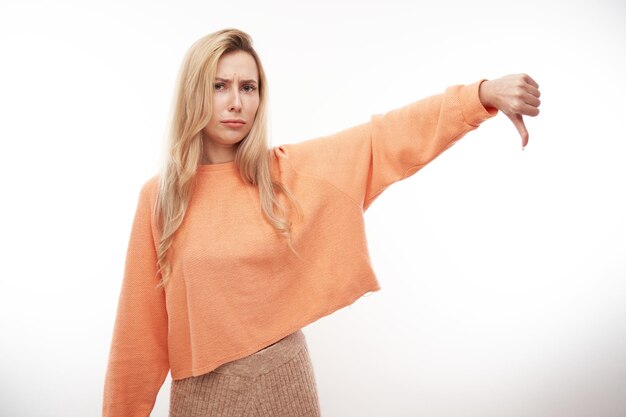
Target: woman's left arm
514	95
363	160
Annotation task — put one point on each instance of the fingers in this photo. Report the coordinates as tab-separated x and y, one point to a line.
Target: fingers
530	81
518	121
533	90
528	109
519	97
526	105
532	100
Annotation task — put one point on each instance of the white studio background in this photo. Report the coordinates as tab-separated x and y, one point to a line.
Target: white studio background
503	271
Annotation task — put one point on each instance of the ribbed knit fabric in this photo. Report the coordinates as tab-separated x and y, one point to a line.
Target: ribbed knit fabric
274	382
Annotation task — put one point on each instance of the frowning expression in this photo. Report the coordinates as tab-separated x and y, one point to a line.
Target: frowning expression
235	99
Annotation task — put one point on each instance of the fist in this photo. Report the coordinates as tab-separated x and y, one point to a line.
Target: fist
515	95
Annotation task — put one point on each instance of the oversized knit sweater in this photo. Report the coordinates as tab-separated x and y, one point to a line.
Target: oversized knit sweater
236	287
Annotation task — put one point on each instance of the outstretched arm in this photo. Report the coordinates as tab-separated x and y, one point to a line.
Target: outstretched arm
514	95
363	160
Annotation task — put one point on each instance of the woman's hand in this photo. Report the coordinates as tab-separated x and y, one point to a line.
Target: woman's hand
514	95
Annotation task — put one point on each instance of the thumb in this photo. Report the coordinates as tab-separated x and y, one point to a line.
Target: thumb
518	121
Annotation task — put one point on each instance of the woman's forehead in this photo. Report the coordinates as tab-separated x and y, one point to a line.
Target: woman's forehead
237	65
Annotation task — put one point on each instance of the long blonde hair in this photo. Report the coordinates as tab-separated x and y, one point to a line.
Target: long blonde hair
190	114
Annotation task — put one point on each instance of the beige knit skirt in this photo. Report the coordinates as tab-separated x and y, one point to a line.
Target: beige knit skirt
277	381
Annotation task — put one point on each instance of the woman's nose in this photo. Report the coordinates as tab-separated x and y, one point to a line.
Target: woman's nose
235	102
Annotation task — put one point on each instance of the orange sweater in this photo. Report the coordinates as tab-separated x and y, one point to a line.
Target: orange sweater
235	286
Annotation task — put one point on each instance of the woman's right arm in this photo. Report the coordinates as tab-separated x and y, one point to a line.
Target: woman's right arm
138	360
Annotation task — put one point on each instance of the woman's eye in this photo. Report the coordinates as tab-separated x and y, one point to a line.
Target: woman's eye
247	88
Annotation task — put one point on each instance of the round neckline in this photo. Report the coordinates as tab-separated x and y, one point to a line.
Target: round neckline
217	167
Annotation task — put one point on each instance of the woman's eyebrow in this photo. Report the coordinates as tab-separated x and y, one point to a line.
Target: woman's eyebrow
228	80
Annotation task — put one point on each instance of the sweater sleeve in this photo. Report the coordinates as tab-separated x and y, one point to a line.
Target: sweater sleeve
362	161
138	360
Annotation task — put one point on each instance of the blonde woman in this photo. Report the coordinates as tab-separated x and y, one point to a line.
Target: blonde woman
235	246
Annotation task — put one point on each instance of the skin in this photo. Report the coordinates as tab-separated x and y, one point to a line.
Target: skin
515	95
235	97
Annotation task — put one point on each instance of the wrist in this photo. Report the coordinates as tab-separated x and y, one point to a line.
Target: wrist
485	94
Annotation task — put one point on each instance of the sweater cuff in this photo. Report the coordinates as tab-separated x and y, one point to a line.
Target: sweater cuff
473	110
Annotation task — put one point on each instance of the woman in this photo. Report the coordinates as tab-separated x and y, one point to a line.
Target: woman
235	246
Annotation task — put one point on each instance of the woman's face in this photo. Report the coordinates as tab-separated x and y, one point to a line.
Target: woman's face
235	98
